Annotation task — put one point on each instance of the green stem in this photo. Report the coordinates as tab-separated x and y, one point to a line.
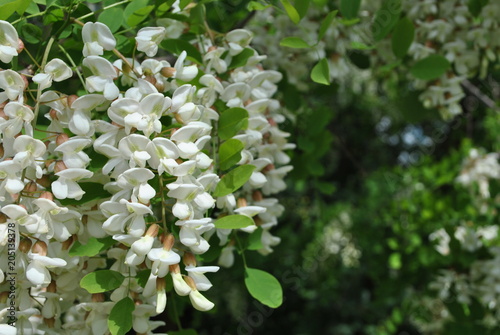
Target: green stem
28	17
74	66
103	9
163	210
39	90
176	313
32	58
242	251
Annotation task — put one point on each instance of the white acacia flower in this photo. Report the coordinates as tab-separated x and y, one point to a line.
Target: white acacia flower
97	38
102	79
210	93
184	73
163	257
136	179
190	234
149	38
238	40
27	151
133	147
80	122
163	154
180	285
66	186
37	272
197	273
9	42
19	116
10	174
214	60
198	301
147	118
125	217
13	85
73	154
20	215
235	95
55	70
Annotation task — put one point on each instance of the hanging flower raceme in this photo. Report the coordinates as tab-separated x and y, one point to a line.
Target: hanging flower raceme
122	180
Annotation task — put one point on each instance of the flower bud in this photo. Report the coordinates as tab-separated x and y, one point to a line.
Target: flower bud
30	187
25	245
241	202
70	99
47	195
3	218
189	259
44	181
40	248
60	166
257	195
168	242
61	138
98	297
153	230
53	114
20	46
2	152
167	72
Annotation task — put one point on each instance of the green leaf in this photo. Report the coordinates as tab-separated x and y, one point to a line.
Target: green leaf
255	240
31	33
176	46
361	46
139	15
291	11
294	42
128	13
93	247
325	24
301	6
183	4
403	36
264	287
7	8
430	68
476	6
230	153
197	19
120	317
241	59
255	5
233	180
321	72
102	281
112	17
349	8
142	277
386	18
93	191
231	121
234	222
32	8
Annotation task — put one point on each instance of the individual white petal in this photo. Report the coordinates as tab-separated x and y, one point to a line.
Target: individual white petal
199	302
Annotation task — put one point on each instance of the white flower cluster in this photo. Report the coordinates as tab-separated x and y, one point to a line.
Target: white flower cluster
155	126
483	277
446	28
